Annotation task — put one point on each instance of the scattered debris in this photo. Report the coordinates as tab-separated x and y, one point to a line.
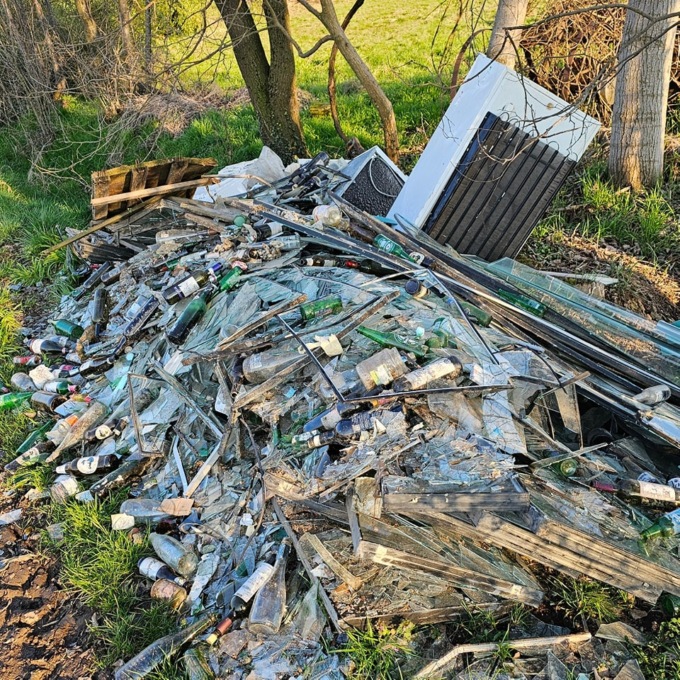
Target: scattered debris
324	420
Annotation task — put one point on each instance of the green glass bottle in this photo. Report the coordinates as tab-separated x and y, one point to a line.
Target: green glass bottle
67	328
317	309
190	316
523	302
667	525
567	468
35	437
230	279
13	399
392	340
479	315
669	605
387	245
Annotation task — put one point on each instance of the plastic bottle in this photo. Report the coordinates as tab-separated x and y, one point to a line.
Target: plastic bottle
387	245
190	316
95	413
89	465
440	368
173	553
381	368
317	309
667	525
68	329
330	417
269	603
191	284
392	340
22	383
166	647
155	569
523	302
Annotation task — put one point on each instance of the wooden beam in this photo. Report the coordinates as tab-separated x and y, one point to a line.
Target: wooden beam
154	191
97	227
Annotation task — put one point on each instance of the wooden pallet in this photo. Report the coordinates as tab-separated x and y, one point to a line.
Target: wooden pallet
141	177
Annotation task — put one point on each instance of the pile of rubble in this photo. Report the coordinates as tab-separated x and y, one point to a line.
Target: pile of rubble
324	419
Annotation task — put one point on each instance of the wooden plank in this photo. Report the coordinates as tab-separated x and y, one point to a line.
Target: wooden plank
177	170
425	616
155	191
457	502
100	187
436	668
354	582
98	226
137	181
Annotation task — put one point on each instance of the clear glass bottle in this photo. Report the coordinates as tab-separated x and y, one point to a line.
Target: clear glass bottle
174	554
269	603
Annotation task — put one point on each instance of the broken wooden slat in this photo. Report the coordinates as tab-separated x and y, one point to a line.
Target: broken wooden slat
137	181
154	191
435	668
354	582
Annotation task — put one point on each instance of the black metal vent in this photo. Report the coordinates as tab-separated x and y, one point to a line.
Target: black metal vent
500	189
374	188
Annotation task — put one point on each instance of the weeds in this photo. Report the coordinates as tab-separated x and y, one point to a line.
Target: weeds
660	657
378	652
38	477
14	426
583	599
97	564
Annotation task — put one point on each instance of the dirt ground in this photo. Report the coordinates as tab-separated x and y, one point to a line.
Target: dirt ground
43	629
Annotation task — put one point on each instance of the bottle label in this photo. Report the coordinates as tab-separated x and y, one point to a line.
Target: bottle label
188	286
647	477
87	466
259	577
103	432
658	492
255	362
150	567
381	375
675	482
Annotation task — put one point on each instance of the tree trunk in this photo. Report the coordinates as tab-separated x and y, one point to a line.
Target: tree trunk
271	84
126	36
330	20
641	97
502	44
89	24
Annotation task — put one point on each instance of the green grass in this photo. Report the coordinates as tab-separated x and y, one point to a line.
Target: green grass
660	658
14	426
98	565
378	651
590	601
38	477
